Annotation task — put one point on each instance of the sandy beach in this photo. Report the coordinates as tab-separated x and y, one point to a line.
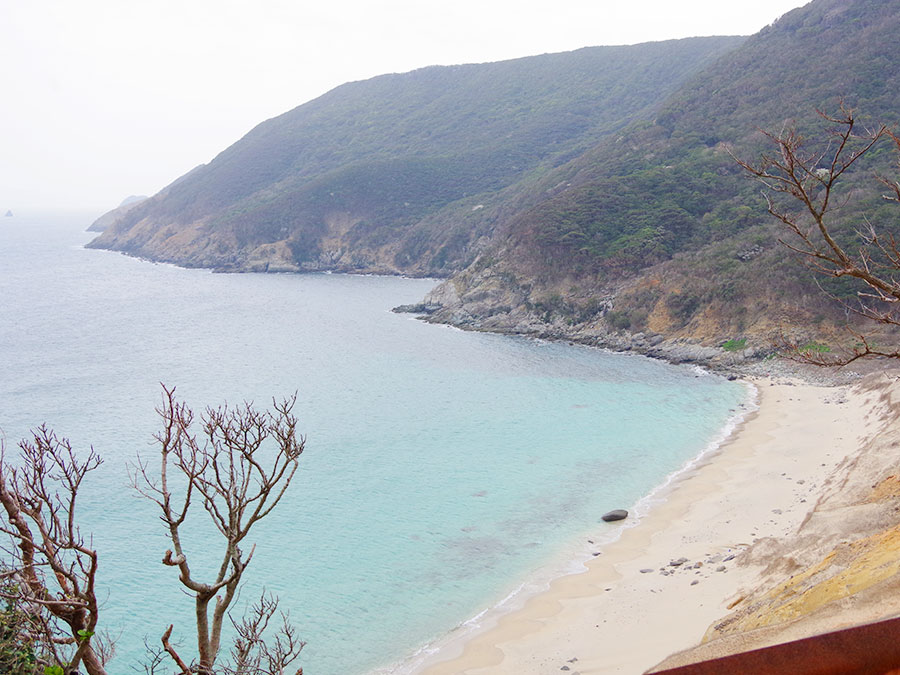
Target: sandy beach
659	587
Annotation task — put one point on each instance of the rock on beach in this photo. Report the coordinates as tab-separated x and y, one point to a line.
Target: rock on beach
617	514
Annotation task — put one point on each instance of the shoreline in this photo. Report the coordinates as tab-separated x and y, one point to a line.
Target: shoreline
572	561
749	363
575	558
630	608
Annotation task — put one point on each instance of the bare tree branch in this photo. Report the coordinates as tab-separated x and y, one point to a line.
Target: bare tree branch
54	571
170	650
238	467
809	177
251	654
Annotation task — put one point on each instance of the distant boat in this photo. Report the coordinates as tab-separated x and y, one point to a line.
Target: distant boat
9	214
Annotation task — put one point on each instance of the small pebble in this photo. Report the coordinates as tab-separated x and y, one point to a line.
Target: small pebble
721	568
695	582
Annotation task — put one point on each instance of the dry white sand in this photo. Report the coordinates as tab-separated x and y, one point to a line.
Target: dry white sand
631	608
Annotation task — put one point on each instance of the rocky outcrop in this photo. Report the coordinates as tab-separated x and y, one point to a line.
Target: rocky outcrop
494	301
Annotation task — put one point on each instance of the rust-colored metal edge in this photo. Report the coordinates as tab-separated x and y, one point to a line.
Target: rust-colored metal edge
869	649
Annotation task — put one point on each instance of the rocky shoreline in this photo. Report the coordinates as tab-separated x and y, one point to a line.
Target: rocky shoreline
499	310
748	362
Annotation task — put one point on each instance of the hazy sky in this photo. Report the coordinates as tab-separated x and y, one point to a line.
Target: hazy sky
106	98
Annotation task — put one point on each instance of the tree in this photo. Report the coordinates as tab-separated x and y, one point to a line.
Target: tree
251	654
809	173
49	586
237	479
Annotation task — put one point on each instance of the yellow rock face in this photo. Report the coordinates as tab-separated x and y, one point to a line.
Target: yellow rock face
846	571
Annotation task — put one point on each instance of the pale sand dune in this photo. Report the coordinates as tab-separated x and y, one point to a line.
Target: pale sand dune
615	618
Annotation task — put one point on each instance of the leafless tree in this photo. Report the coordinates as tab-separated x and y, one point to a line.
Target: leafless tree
251	654
52	571
238	468
809	172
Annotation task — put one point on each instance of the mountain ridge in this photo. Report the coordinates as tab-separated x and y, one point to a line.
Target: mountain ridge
371	162
629	225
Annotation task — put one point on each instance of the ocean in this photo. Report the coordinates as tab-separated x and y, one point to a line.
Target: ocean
443	469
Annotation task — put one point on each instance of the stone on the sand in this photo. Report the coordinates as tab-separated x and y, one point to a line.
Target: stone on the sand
618	514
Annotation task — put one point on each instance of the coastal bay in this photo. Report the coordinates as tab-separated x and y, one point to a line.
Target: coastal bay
632	606
603	444
442	466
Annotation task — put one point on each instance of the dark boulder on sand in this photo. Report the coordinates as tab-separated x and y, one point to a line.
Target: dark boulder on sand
618	514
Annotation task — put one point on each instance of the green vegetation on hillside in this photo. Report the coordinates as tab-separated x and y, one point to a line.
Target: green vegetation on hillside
593	186
387	155
666	199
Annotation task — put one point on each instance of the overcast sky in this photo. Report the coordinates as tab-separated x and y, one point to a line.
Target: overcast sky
106	98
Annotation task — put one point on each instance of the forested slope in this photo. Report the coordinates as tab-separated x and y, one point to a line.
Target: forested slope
657	229
358	178
592	194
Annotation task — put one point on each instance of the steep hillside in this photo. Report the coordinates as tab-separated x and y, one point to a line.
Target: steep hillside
657	230
110	217
393	174
590	195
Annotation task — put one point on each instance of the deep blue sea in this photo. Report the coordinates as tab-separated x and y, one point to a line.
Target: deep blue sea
443	468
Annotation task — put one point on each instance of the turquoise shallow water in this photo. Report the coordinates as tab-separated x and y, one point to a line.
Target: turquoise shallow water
442	467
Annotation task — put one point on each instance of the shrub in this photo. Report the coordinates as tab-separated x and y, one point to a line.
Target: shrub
618	320
735	345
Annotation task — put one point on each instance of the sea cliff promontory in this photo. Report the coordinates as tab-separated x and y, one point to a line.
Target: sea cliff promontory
591	192
111	217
